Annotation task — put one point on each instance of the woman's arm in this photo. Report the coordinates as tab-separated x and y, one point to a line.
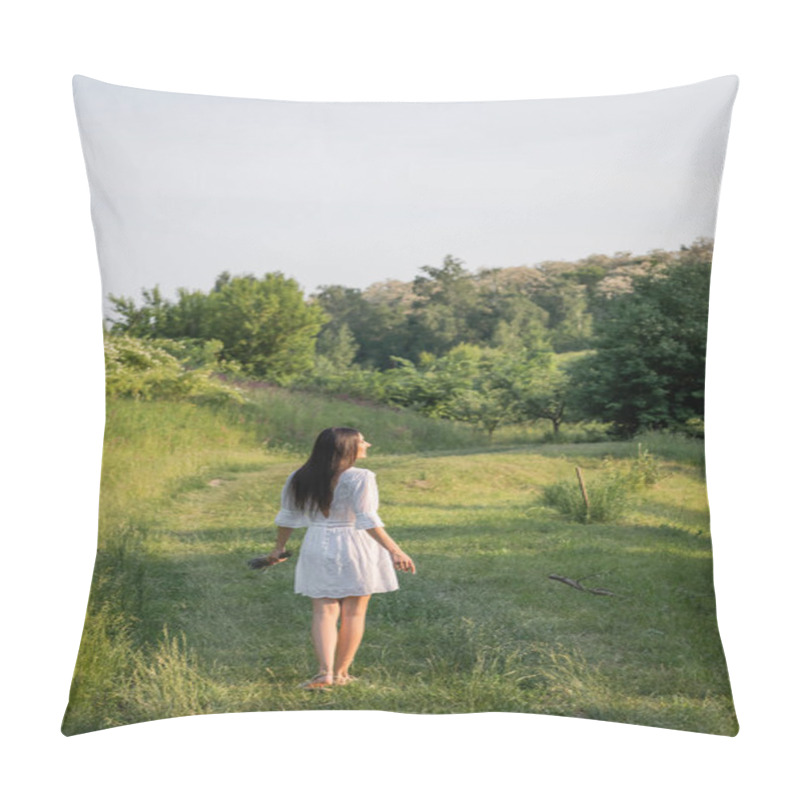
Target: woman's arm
399	558
280	544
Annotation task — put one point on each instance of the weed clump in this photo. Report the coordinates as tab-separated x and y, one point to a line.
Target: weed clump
608	499
609	493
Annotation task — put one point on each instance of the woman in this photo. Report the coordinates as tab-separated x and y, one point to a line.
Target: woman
346	555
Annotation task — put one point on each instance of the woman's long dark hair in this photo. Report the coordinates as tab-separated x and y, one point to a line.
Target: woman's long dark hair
334	451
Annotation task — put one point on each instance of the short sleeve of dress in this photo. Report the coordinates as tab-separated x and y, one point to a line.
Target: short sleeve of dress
290	516
366	502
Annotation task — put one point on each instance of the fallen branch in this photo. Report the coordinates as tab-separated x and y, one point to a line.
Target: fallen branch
580	587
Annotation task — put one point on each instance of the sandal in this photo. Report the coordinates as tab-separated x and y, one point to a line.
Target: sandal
317	682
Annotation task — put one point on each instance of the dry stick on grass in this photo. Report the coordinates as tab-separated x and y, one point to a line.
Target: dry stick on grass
580	587
583	492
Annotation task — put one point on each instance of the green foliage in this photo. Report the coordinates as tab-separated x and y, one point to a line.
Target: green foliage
376	319
486	387
337	346
263	324
440	309
497	348
328	379
609	498
432	388
447	310
609	491
469	384
565	301
648	368
153	370
694	427
645	470
542	394
145	320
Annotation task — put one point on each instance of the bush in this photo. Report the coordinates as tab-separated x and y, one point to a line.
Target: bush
608	498
609	493
145	370
645	470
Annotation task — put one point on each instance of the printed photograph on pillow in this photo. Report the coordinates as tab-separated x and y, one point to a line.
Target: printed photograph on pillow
404	407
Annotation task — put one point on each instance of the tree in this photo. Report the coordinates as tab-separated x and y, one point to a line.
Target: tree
265	324
544	396
375	318
337	345
564	297
158	317
479	385
447	310
141	321
649	366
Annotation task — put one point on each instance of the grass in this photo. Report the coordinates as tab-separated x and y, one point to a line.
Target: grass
178	625
290	420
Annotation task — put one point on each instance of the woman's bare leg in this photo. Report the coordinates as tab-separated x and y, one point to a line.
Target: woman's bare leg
351	630
323	632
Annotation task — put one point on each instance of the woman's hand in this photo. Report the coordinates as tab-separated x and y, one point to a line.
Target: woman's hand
276	555
403	562
400	560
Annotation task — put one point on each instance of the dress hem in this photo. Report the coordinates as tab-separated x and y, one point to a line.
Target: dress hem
342	596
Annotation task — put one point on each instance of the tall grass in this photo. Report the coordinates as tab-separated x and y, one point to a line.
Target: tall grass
672	446
152	451
290	420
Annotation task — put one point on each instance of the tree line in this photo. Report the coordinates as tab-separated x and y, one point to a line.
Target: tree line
617	339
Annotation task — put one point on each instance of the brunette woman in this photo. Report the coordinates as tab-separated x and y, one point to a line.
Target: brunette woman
346	555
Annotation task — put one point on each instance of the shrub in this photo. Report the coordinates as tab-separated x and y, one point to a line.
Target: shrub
145	370
608	498
609	492
645	470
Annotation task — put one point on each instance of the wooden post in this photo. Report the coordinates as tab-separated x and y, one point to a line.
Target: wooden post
583	490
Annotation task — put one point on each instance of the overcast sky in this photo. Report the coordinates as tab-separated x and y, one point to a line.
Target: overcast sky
186	186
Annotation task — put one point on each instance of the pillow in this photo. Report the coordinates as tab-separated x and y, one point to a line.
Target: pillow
505	301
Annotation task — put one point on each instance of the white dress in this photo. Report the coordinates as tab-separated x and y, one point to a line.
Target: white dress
338	558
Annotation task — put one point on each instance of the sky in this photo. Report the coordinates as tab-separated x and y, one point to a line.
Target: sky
184	186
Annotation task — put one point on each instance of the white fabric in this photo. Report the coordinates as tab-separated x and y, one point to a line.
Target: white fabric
338	558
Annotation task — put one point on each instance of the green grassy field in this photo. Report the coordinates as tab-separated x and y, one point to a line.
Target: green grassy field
178	625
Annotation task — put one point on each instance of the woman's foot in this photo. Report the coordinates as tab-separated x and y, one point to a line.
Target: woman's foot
343	680
322	680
